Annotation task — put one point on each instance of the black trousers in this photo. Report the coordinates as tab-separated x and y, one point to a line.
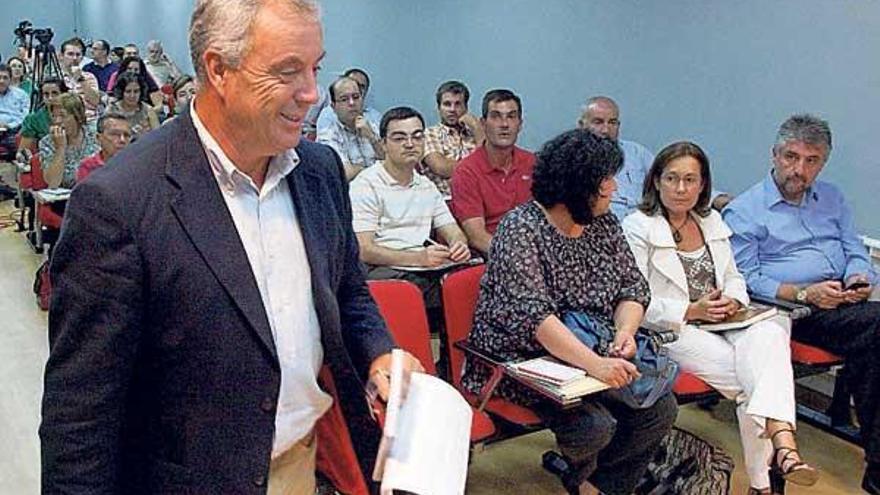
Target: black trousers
609	443
852	331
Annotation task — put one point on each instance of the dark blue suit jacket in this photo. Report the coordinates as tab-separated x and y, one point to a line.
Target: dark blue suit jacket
163	375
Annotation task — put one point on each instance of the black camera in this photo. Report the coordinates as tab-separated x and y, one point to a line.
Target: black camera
26	29
44	36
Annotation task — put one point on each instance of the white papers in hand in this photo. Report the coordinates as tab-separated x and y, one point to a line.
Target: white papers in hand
428	437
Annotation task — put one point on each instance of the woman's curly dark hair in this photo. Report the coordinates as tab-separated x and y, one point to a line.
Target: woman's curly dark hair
570	168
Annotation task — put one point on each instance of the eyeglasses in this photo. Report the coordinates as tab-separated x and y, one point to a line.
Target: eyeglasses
672	181
414	138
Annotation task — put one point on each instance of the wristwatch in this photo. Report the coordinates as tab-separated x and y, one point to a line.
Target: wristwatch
801	296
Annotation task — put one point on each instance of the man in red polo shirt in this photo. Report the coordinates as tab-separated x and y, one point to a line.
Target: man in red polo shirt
497	176
114	133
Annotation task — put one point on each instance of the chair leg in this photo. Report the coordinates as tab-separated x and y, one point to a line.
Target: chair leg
839	410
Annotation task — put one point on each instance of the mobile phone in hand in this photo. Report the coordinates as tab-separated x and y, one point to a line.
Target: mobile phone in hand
858	284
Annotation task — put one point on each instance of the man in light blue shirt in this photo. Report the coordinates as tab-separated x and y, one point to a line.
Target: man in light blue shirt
13	108
601	116
326	118
352	136
795	239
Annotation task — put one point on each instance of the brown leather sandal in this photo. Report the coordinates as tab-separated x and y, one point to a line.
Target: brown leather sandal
788	467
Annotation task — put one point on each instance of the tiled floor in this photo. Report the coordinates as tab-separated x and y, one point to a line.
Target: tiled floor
510	467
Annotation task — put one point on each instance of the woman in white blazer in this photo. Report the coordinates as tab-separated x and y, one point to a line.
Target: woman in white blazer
681	246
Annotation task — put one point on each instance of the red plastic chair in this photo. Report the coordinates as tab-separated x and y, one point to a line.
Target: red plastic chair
335	457
48	217
403	308
813	356
460	291
688	388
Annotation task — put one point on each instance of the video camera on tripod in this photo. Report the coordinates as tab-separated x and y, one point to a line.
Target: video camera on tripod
42	56
26	30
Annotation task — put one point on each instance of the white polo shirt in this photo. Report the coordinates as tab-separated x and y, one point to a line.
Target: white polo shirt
401	215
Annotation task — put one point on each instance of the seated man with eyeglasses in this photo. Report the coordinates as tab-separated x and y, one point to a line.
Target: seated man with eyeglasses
395	210
794	238
353	136
114	133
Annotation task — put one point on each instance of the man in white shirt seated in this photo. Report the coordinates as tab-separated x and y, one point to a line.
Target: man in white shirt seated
354	138
395	209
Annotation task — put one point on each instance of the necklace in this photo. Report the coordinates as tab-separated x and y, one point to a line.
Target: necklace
676	234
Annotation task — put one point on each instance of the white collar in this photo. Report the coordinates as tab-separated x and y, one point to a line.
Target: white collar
226	172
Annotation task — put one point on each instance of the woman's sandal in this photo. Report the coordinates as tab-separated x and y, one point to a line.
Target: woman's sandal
790	469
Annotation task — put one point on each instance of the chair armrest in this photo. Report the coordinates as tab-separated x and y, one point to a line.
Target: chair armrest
487	357
494	363
794	310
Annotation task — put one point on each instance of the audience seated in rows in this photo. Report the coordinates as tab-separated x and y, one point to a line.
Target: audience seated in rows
78	82
69	141
794	238
354	137
113	134
395	209
495	177
453	138
159	65
13	109
101	66
128	91
18	74
682	247
557	254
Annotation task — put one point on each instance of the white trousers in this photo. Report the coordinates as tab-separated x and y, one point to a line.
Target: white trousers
752	367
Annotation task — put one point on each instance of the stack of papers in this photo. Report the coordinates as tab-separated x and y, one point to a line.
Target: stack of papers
557	381
426	437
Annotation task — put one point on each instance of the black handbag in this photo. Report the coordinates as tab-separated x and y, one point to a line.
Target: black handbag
657	369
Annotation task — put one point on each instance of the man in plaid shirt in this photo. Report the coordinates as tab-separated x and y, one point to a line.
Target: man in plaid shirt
458	133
